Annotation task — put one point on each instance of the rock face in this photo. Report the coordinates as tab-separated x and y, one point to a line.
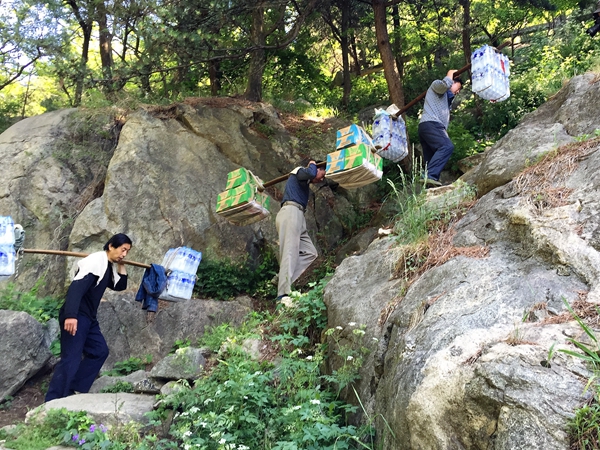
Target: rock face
459	359
123	324
567	115
158	184
23	349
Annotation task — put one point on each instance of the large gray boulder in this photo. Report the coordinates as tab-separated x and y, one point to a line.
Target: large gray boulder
127	333
568	114
107	409
459	359
23	349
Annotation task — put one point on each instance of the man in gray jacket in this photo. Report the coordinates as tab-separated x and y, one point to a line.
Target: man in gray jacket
433	126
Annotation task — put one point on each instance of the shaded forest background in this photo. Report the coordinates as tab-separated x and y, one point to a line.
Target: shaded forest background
328	57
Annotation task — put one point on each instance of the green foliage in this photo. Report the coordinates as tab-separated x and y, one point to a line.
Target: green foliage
584	427
39	434
224	279
301	325
42	309
128	366
119	386
246	404
179	343
55	347
415	213
347	346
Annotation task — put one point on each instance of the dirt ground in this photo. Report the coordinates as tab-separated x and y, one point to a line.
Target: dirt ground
27	398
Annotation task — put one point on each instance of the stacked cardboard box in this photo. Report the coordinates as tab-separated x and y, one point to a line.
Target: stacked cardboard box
354	165
242	203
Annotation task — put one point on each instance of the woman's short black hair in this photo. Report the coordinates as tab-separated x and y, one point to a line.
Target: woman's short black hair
117	240
458	80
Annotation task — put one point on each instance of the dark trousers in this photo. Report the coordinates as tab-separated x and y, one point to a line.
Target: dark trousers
437	147
81	358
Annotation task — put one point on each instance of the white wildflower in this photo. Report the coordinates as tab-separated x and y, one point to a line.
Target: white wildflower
222	441
352	324
349	358
375	339
208	400
296	408
315	402
188	433
338	328
309	357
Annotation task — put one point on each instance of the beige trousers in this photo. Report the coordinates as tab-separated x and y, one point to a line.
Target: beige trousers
296	250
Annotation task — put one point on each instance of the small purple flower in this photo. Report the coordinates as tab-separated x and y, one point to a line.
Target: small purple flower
75	437
103	428
92	428
81	442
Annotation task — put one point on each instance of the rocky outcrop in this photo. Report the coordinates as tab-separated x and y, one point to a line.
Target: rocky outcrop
128	334
569	114
106	409
460	359
23	348
158	184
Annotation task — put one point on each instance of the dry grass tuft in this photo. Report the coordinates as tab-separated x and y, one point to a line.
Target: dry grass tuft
416	259
542	185
586	311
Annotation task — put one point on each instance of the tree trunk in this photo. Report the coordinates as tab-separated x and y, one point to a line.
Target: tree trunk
345	7
258	58
214	74
82	70
385	50
389	65
466	30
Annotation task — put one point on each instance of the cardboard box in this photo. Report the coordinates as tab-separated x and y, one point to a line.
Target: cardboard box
249	212
352	135
236	196
350	157
354	167
238	177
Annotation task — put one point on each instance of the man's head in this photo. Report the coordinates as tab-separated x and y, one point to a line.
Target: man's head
320	175
456	85
320	172
117	247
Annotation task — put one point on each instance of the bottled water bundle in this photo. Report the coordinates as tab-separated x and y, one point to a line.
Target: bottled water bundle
7	249
389	136
490	74
183	263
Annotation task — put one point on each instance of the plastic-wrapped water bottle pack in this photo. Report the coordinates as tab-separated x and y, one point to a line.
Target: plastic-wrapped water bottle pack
490	74
7	250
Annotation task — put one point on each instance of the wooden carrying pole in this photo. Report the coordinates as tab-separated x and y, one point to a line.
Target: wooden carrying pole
78	255
423	94
402	111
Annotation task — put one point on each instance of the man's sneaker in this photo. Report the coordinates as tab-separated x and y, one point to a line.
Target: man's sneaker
285	300
432	182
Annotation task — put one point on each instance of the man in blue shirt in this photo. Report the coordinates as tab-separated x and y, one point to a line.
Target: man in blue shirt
83	349
296	250
433	126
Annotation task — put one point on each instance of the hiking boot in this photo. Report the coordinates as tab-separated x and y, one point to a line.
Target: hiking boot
150	316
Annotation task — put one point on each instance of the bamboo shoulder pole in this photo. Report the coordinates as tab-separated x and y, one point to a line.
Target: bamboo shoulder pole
78	255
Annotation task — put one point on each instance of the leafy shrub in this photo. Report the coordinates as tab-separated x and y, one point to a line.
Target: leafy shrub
119	386
42	309
224	279
128	366
246	404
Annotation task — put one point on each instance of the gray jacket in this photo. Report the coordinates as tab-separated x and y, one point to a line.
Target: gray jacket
436	107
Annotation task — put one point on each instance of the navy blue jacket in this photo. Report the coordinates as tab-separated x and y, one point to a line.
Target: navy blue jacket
296	188
153	283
